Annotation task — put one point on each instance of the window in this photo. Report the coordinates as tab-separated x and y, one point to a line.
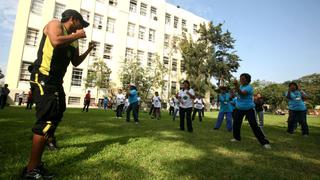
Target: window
129	54
36	6
82	45
182	66
133	6
95	50
174	65
143	9
168	19
24	72
152	34
166	40
153	13
85	14
175	22
173	86
113	2
97	22
131	28
32	37
140	55
142	31
184	25
150	58
59	8
195	28
110	25
74	100
107	51
166	62
76	77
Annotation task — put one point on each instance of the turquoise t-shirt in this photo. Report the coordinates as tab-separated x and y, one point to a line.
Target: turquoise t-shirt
133	97
225	105
245	102
233	103
296	102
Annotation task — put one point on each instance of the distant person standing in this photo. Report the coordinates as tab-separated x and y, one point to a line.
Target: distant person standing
4	96
86	103
157	106
151	108
21	95
133	103
297	109
105	103
176	108
197	108
171	108
29	100
245	107
225	109
120	101
186	96
259	102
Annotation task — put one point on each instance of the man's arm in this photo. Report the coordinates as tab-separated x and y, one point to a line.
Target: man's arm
54	30
77	60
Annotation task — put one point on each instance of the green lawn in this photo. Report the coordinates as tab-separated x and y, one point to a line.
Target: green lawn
95	145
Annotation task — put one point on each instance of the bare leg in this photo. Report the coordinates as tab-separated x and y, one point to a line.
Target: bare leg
38	144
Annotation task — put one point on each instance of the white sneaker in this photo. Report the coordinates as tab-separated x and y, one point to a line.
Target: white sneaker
234	140
267	146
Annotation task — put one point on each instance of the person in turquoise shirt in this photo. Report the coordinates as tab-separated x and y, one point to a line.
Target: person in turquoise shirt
225	109
133	103
245	107
297	109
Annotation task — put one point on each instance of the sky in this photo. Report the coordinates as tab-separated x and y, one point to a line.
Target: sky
277	40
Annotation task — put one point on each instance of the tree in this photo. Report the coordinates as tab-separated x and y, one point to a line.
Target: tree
1	75
210	56
146	78
98	76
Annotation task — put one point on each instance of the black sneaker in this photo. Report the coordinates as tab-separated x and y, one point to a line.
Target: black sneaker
36	174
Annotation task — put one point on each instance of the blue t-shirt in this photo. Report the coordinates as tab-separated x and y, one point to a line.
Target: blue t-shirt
245	102
296	102
133	97
225	105
233	103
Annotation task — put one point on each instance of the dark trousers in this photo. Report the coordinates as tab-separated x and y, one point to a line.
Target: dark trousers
20	101
298	117
86	105
3	101
29	105
250	114
134	108
199	111
151	109
202	111
185	112
171	110
119	110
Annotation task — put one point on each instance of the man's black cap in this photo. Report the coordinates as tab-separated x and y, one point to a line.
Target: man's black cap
73	13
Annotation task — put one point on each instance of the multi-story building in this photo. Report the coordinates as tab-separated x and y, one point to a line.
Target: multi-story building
120	28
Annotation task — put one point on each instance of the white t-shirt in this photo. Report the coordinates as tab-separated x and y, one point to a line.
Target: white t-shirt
198	104
156	101
171	103
186	101
120	99
126	102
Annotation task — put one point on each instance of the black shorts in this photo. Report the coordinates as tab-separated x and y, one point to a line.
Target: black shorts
50	104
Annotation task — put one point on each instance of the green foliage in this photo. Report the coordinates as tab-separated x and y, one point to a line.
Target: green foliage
98	75
273	95
212	55
147	78
95	145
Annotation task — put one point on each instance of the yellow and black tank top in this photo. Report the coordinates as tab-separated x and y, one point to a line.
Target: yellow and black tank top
52	62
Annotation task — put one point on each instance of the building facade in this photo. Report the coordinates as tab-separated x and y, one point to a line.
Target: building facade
120	28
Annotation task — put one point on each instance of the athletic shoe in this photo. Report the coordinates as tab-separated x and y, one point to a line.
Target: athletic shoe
36	173
267	146
234	140
52	144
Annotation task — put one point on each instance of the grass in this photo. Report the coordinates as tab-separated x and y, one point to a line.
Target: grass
95	145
